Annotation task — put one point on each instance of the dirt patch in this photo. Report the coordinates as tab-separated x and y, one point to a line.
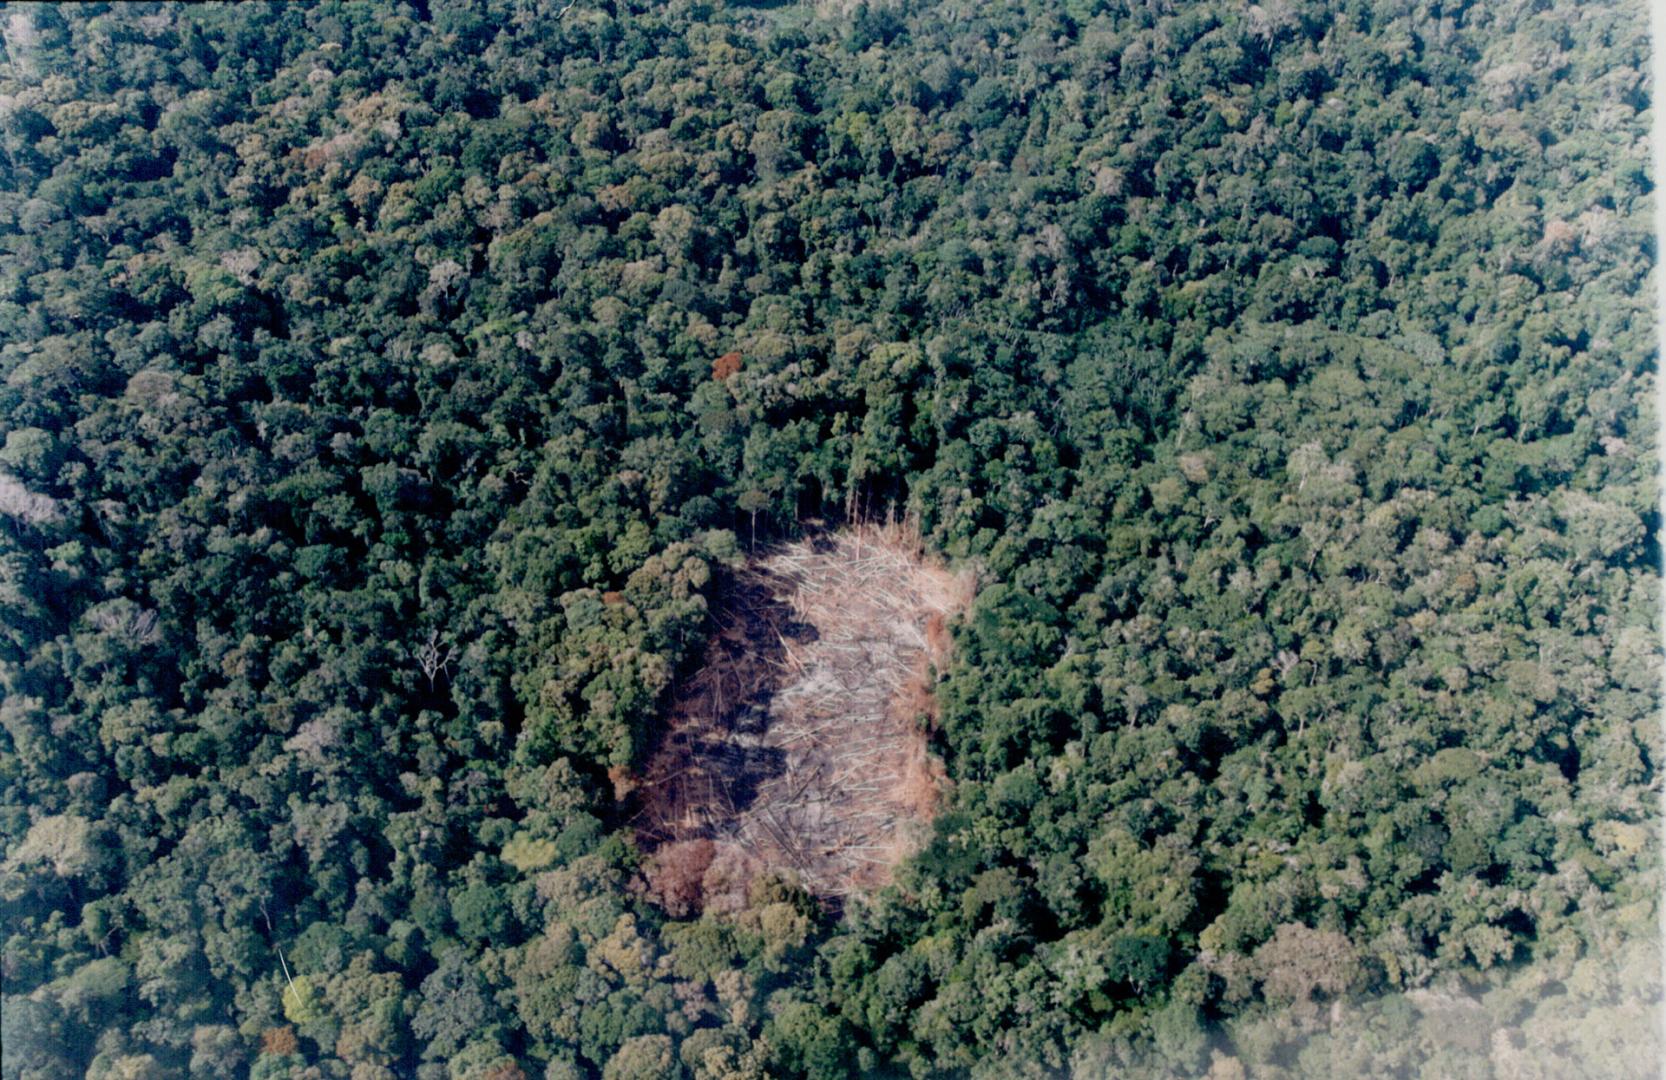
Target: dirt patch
800	743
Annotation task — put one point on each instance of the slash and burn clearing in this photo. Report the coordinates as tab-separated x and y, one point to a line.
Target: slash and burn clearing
800	745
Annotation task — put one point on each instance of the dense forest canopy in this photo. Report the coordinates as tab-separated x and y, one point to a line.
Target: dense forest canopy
384	386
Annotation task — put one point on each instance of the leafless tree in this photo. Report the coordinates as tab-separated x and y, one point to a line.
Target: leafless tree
434	657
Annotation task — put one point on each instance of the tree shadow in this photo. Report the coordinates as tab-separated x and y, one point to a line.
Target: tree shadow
708	764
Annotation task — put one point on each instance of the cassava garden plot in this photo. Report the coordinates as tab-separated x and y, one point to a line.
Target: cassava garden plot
799	745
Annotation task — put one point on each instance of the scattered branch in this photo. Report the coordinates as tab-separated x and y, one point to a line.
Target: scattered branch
831	645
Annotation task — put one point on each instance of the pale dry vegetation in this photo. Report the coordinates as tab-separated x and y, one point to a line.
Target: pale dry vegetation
800	744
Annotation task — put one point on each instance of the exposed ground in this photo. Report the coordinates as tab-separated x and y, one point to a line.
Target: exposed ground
799	745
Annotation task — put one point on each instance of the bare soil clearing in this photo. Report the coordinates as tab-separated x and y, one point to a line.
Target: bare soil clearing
799	744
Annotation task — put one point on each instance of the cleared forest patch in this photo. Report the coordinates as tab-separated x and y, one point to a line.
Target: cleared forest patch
799	744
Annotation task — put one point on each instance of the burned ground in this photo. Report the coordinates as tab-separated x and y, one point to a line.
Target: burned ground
799	745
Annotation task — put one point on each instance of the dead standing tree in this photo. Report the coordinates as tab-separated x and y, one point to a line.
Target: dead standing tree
434	658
